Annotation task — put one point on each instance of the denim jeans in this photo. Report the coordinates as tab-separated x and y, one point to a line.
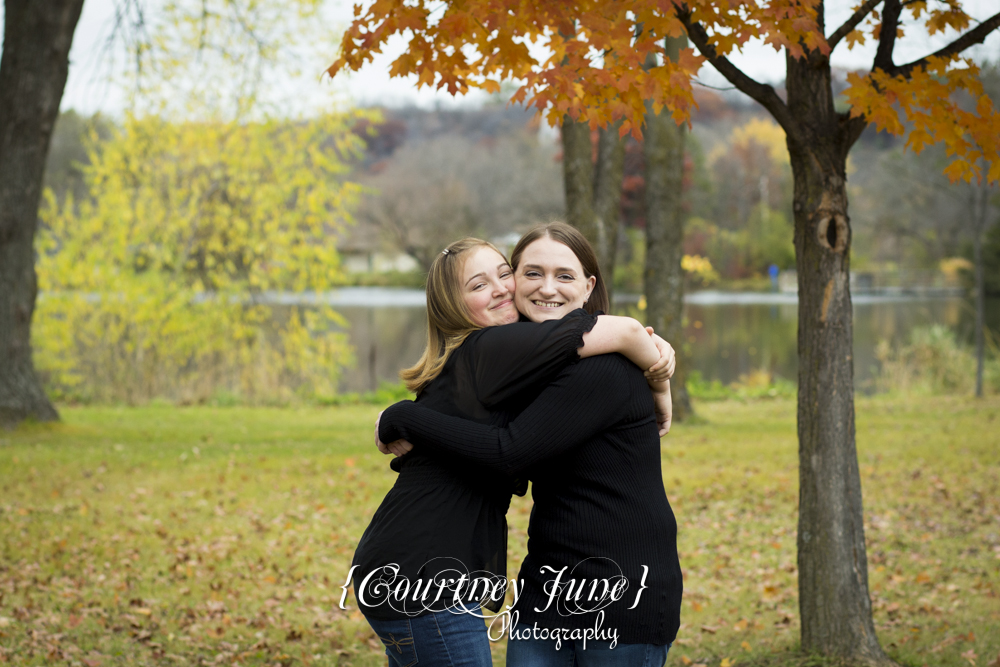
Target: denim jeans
543	653
435	639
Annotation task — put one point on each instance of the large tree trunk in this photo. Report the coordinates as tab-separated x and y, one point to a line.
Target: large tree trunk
664	278
834	601
594	191
33	69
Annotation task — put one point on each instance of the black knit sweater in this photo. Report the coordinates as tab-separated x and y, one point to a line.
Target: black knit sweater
589	443
443	513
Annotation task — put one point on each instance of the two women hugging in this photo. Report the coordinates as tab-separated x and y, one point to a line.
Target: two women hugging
524	378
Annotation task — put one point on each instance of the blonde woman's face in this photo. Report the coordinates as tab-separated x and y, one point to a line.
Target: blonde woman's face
550	281
488	288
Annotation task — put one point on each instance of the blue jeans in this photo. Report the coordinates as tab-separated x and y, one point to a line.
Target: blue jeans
543	653
435	639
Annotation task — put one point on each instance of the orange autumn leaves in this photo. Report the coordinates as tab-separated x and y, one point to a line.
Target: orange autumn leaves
589	64
942	99
931	101
592	67
594	50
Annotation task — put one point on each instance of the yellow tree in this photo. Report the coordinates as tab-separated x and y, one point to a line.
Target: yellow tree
157	285
593	71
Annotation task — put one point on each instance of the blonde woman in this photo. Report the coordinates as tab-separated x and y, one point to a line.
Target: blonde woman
438	540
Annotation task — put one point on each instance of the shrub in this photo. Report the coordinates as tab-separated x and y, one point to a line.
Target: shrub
934	362
759	384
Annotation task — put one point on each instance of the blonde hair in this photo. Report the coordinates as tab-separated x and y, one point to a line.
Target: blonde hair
449	322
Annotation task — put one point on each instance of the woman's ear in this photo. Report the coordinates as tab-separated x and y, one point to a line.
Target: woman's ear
591	282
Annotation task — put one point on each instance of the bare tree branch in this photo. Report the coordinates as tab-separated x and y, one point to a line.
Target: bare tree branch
887	35
851	23
975	36
762	93
850	129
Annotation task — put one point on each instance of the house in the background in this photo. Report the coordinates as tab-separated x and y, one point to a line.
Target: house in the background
361	252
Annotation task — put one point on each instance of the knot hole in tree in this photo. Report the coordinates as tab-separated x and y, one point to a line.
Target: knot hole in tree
832	231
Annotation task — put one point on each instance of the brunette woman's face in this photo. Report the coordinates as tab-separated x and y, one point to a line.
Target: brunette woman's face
488	288
550	281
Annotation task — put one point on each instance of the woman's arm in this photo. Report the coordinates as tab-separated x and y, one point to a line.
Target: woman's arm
663	405
627	336
511	359
566	414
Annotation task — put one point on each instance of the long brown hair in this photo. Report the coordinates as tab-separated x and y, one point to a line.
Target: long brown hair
575	241
449	322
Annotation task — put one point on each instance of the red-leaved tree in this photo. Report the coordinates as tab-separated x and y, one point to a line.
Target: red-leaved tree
593	71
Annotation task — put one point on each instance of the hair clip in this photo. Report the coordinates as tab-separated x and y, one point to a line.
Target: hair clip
445	251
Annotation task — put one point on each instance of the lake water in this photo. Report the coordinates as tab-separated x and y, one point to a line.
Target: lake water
726	334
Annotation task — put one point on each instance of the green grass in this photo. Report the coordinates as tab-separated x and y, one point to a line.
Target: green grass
194	535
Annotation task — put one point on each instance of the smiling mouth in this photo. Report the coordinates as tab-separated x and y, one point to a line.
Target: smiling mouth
506	302
547	304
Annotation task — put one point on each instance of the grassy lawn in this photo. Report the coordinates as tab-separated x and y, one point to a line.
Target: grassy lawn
222	535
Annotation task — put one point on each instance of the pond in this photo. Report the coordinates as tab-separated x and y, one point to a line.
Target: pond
726	334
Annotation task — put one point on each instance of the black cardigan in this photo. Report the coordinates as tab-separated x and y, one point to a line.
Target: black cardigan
445	517
590	445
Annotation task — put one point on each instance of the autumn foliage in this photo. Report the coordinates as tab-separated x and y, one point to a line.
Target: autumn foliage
586	59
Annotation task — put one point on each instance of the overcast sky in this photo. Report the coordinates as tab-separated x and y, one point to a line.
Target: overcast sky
88	90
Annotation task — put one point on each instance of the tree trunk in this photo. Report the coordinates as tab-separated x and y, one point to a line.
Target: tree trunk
594	191
834	601
981	217
664	278
608	174
33	70
578	177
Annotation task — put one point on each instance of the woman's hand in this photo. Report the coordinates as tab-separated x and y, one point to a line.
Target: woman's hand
400	447
397	448
665	366
378	443
663	406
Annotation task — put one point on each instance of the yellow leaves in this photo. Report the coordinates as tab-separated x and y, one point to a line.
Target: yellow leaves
917	8
918	139
984	107
949	16
401	66
951	268
855	38
725	43
764	132
491	86
181	209
959	169
929	101
700	267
